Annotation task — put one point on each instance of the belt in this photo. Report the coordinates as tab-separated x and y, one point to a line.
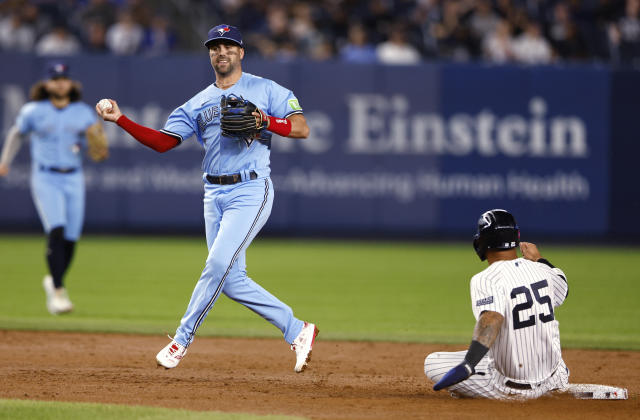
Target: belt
229	179
58	170
517	385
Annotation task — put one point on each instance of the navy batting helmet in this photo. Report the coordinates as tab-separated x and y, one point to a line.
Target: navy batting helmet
497	229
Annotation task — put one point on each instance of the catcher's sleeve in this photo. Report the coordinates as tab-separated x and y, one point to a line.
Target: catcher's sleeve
11	146
157	140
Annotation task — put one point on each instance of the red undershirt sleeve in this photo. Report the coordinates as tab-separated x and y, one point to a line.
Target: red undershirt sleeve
157	140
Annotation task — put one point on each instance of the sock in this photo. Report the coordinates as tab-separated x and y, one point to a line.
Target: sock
69	247
56	255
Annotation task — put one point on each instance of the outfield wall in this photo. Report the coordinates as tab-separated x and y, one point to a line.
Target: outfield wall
418	150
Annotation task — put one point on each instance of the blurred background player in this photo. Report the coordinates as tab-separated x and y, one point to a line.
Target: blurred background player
515	351
60	127
238	192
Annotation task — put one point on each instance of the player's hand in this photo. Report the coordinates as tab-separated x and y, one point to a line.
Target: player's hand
4	170
455	375
112	114
262	119
530	251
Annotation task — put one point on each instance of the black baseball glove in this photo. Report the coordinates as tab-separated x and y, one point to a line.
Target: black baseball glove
237	119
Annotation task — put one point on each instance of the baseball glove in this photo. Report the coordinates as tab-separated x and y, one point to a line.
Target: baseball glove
237	119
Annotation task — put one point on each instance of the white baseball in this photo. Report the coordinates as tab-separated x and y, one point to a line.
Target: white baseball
105	105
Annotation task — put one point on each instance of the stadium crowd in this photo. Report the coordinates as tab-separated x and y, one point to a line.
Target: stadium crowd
364	31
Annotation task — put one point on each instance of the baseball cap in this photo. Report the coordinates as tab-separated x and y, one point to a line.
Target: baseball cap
56	69
227	32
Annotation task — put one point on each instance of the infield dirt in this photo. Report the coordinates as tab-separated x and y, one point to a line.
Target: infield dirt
355	380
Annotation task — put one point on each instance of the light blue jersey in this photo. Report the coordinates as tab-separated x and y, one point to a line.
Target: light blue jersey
200	115
57	135
57	140
233	214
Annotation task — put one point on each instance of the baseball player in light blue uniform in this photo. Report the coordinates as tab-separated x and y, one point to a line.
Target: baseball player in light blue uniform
238	193
59	126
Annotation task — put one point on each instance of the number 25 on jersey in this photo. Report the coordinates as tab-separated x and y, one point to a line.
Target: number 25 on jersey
518	322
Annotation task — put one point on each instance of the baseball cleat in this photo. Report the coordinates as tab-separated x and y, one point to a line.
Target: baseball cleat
303	344
170	356
57	299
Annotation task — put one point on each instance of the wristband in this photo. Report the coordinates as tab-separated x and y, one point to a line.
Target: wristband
545	262
281	126
475	353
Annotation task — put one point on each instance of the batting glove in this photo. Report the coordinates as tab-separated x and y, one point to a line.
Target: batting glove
455	375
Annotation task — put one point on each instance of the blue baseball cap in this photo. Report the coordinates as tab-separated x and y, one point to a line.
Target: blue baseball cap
230	33
56	69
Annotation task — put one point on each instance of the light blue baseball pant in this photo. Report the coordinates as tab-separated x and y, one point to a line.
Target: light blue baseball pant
59	200
234	214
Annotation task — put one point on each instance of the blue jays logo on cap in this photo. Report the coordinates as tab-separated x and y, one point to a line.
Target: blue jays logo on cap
221	31
57	69
230	33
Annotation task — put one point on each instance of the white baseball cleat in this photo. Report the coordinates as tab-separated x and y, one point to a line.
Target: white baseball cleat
57	299
303	344
170	356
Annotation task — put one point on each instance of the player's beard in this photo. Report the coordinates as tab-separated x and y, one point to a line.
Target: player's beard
58	96
225	69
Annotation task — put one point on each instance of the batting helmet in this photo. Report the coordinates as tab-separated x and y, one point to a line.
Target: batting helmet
497	229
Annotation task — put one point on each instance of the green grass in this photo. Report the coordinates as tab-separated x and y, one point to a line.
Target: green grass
416	292
33	410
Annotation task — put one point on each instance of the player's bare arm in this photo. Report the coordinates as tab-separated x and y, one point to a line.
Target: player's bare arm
487	328
11	147
156	140
299	127
484	335
98	147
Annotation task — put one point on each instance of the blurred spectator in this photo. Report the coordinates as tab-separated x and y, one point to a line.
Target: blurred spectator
531	47
625	34
452	37
98	10
322	51
351	30
336	21
265	46
483	20
277	24
158	38
303	28
563	33
497	46
15	34
31	16
377	16
397	50
96	37
357	49
125	36
58	42
286	51
426	16
140	11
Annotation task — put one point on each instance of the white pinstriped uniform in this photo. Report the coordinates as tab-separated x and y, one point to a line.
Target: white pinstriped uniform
527	349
